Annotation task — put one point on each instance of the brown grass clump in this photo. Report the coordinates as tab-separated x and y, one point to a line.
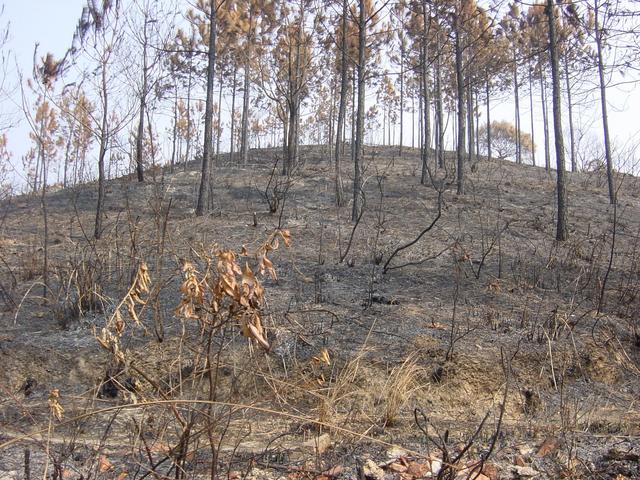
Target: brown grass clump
402	383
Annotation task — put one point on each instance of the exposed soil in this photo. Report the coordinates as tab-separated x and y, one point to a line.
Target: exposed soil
486	305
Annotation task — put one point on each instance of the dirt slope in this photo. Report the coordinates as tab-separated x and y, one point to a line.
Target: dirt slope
485	302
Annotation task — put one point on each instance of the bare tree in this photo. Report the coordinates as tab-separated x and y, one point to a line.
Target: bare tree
99	36
561	229
203	192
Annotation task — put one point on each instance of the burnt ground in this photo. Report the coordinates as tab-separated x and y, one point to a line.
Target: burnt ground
485	306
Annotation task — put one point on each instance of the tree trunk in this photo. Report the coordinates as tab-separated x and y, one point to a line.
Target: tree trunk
561	231
460	153
413	121
488	93
354	74
517	108
572	137
533	137
219	130
233	112
67	154
244	133
341	110
470	124
439	107
426	146
357	177
342	107
143	106
187	152
426	127
476	125
545	123
401	93
203	193
603	106
45	217
104	142
175	132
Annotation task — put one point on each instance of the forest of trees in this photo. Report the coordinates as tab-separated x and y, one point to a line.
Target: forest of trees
147	83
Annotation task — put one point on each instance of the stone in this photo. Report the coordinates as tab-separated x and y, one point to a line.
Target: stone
491	471
396	452
319	444
419	470
397	467
524	472
369	470
548	446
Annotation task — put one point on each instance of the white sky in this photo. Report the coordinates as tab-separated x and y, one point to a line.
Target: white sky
51	23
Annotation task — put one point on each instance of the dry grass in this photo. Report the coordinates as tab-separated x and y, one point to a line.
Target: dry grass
403	382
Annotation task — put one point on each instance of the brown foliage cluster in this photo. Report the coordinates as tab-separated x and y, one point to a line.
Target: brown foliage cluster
227	291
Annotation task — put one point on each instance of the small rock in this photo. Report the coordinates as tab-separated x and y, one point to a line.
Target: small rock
418	470
525	450
396	452
369	470
397	467
621	456
548	446
333	471
465	474
520	461
318	444
436	465
524	472
490	470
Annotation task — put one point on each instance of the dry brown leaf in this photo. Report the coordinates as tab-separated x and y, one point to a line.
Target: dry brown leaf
323	357
286	237
118	323
55	408
104	465
334	471
548	446
256	334
397	467
437	326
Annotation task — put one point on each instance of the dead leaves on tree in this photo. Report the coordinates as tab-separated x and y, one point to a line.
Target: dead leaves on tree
228	291
110	334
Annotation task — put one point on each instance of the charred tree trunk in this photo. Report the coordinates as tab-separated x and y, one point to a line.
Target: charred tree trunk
545	123
439	107
102	153
572	150
460	151
516	93
488	93
143	107
203	193
244	133
424	74
561	230
359	147
599	34
219	129
533	137
233	113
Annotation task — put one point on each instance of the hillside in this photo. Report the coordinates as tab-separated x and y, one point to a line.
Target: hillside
485	321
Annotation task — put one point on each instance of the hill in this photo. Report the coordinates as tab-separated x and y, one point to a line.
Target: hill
362	346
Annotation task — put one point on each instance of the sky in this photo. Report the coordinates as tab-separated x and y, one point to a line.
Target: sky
51	23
